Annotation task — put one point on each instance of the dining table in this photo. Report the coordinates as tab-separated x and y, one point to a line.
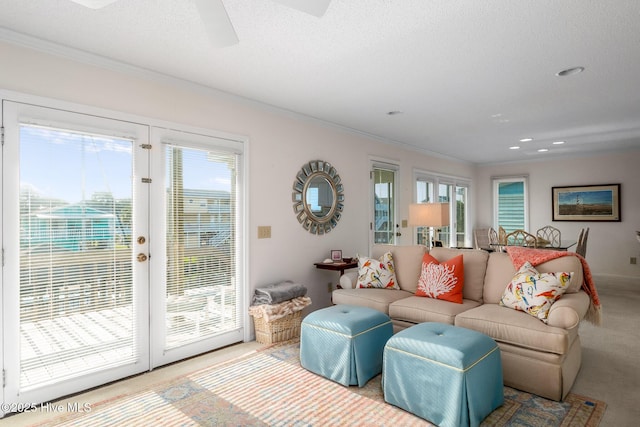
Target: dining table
565	245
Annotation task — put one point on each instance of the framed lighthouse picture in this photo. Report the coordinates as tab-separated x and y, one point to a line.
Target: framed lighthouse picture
586	203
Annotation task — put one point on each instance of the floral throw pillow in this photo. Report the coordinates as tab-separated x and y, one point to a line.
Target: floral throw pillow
373	273
534	292
443	281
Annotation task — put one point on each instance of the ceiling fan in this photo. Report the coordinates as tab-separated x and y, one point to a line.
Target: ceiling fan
216	20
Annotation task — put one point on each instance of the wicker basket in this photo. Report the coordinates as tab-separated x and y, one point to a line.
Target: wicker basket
282	329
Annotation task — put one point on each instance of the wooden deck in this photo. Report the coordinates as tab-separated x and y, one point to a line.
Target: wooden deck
68	345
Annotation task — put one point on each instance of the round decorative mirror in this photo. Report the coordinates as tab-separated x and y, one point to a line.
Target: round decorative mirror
318	197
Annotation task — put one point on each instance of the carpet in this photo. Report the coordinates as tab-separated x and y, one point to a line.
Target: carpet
269	388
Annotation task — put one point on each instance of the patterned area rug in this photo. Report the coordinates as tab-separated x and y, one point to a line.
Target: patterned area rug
270	388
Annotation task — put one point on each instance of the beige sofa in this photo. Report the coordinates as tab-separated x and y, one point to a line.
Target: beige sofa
539	358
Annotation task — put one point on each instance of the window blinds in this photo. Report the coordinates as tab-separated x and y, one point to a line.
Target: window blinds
76	292
201	294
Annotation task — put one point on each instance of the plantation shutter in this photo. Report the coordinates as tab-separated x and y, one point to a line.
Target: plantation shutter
201	294
511	215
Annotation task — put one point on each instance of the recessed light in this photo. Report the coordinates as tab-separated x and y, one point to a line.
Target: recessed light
526	139
394	113
543	150
570	71
557	142
515	147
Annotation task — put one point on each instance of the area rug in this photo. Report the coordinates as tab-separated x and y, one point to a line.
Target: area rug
269	388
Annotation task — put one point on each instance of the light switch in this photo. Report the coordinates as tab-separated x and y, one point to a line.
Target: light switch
264	232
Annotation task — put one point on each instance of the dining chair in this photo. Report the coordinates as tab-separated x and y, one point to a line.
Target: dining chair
502	236
581	247
521	238
494	242
481	239
550	234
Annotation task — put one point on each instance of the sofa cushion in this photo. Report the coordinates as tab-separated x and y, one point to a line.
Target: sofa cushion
475	267
500	271
418	309
441	280
377	273
533	292
407	261
378	299
509	326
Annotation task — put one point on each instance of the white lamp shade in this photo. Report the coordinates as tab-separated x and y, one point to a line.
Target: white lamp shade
428	214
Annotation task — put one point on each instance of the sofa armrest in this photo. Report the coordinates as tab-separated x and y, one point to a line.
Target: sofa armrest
569	310
348	280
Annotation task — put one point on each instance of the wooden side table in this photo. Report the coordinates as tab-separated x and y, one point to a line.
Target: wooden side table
336	266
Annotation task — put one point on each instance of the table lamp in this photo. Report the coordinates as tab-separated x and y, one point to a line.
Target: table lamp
428	215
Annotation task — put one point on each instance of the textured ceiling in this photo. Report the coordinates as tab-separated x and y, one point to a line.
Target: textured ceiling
470	77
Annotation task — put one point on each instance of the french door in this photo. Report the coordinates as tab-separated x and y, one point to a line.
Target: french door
120	249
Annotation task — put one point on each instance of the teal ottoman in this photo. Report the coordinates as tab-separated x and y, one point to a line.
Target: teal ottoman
344	343
448	375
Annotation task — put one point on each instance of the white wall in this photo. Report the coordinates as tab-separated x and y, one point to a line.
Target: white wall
610	244
279	145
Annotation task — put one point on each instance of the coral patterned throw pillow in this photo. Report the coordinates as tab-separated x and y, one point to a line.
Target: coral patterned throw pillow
441	280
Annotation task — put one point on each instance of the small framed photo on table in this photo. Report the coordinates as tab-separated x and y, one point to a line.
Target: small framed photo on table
336	255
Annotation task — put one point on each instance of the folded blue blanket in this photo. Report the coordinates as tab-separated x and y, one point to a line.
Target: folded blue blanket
278	292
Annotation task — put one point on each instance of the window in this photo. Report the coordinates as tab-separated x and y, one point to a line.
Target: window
431	188
461	216
510	195
425	194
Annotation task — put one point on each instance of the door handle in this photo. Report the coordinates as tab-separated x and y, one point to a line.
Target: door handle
142	257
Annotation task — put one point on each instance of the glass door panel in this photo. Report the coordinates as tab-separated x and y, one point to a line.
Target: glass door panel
384	206
460	216
76	283
443	234
200	291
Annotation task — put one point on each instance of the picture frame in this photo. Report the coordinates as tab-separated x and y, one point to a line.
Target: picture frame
586	203
336	255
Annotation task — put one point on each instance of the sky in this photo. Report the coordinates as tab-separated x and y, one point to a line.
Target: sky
70	166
